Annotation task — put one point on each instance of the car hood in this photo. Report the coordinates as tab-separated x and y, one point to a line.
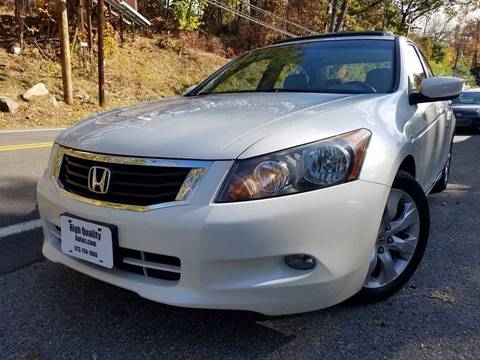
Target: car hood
211	127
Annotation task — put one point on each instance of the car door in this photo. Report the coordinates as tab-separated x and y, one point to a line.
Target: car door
446	125
425	126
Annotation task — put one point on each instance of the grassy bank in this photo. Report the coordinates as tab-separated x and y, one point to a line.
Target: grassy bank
143	69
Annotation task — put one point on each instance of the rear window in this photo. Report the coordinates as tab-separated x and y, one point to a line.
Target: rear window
339	66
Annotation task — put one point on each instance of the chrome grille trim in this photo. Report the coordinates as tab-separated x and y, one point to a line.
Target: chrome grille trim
198	170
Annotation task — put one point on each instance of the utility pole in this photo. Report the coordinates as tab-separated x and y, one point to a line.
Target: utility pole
89	29
121	29
65	52
19	13
81	26
101	58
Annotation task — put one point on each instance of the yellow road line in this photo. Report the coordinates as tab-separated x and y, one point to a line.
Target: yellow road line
25	146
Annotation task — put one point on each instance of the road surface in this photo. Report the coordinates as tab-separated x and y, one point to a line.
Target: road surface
48	311
23	157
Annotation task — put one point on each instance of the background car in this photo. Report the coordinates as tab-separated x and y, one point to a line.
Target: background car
467	109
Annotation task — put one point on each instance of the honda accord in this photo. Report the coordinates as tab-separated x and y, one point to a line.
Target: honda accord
291	179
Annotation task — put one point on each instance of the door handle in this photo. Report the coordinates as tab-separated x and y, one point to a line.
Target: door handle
448	120
440	110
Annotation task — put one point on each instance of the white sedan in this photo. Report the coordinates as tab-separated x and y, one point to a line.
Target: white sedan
293	178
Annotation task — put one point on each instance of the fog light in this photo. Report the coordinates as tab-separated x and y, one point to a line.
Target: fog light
300	261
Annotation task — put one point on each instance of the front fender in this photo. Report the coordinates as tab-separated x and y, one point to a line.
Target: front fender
384	157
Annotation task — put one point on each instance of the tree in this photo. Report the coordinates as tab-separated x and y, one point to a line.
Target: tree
412	10
187	13
341	17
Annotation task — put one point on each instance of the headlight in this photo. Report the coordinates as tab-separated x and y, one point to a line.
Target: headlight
308	167
52	160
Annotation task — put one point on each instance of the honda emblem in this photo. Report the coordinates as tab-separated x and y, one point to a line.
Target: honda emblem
99	179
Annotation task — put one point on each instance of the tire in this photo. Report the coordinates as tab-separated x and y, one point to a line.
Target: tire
442	182
378	286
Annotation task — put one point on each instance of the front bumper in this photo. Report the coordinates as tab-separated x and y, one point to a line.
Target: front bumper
232	255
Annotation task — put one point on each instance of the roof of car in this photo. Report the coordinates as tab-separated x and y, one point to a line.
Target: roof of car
472	90
345	34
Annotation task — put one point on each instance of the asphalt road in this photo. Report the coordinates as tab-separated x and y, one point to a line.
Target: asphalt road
20	170
50	312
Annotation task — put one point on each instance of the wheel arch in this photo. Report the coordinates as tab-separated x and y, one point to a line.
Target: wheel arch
385	169
408	165
404	160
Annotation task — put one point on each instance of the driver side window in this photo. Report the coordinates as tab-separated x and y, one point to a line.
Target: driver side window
415	70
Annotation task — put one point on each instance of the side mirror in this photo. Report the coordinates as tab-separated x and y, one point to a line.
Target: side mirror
190	88
437	89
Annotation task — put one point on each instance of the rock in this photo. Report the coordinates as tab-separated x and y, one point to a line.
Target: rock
54	102
8	105
37	91
82	95
15	49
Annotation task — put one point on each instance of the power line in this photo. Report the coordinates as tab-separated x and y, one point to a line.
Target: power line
259	9
250	18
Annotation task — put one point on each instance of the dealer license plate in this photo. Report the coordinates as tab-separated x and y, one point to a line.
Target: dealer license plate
88	241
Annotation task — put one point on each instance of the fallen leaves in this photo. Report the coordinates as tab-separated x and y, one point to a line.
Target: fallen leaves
33	356
381	322
442	296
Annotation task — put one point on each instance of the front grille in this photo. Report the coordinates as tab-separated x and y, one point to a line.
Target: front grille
139	185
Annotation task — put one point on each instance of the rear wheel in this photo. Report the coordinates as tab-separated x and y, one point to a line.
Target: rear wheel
401	241
442	182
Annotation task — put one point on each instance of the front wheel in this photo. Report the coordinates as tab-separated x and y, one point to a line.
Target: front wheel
401	241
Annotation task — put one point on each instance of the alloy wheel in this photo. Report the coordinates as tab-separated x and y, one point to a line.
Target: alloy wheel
397	240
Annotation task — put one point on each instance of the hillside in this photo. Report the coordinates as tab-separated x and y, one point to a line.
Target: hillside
143	69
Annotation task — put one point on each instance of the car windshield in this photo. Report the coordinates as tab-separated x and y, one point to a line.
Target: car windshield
339	66
468	98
